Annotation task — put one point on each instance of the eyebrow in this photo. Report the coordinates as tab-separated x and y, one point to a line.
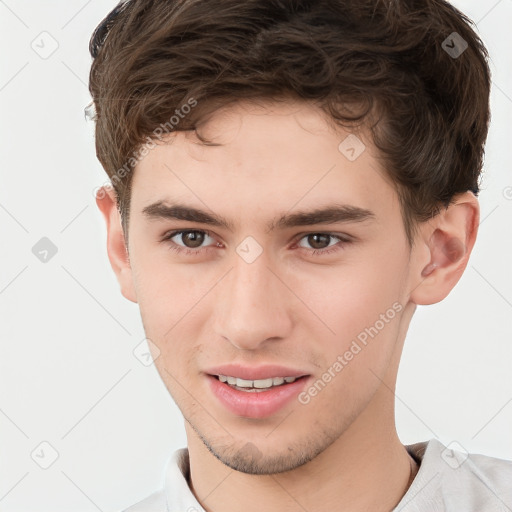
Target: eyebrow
334	213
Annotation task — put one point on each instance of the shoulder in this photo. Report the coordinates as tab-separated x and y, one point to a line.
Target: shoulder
450	479
489	477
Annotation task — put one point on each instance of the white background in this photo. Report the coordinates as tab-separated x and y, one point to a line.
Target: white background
68	375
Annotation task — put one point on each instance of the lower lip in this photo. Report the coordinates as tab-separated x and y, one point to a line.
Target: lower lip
256	404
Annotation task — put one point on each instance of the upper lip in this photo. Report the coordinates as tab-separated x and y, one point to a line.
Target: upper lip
255	372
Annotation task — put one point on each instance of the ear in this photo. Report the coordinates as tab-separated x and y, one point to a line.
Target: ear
116	246
445	244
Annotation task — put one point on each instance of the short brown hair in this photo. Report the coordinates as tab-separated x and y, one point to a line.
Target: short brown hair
428	107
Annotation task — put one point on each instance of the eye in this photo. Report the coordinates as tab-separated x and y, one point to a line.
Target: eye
319	240
191	240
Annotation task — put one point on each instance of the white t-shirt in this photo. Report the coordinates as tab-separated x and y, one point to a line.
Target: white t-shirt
447	481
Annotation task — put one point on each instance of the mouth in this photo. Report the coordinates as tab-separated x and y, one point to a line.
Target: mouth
259	398
257	385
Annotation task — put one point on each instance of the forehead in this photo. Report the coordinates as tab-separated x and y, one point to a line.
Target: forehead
265	158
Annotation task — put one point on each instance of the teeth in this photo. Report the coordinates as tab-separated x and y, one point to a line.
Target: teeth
242	383
259	383
263	383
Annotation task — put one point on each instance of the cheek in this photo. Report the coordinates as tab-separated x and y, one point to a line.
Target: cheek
348	299
355	359
359	302
171	299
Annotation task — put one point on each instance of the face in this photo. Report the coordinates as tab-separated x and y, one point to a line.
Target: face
251	284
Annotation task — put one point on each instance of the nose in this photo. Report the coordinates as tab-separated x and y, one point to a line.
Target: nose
252	305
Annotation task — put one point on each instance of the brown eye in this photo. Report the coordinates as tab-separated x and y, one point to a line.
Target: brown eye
192	239
318	240
320	243
189	240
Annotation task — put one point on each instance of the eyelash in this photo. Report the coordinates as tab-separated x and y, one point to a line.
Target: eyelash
193	252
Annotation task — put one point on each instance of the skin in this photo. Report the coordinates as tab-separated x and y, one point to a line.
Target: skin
287	307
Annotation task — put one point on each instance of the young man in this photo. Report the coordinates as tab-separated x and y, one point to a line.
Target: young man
291	178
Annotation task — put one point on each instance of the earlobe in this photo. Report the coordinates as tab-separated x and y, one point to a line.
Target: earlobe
116	246
450	238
